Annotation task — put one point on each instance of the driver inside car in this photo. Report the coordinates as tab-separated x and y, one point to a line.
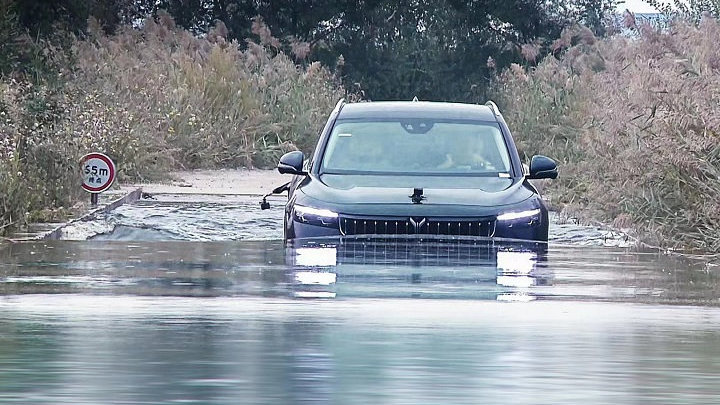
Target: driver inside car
465	152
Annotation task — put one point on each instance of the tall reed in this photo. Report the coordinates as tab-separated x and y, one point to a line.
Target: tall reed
154	99
634	121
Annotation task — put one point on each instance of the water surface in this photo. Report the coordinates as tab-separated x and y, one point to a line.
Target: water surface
200	302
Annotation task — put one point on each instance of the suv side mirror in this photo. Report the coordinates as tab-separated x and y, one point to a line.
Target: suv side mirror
542	167
292	163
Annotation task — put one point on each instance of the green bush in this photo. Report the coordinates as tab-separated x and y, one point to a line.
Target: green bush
38	161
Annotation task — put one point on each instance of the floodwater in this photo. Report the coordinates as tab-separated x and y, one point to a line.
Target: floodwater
199	302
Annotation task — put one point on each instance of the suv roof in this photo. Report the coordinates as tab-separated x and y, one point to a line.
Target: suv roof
417	109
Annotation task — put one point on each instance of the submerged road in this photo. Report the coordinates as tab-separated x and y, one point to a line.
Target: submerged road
195	299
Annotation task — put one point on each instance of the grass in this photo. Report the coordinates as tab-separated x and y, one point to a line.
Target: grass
154	99
634	122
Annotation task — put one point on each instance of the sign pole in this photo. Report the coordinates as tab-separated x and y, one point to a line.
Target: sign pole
93	200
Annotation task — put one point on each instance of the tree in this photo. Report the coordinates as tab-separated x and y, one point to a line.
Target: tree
689	10
45	17
432	49
10	49
391	49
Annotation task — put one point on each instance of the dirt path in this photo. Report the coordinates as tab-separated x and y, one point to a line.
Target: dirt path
218	182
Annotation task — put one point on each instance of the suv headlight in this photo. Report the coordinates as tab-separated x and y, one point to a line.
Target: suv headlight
315	216
523	216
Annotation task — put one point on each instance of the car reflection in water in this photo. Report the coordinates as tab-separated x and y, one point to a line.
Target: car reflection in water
453	268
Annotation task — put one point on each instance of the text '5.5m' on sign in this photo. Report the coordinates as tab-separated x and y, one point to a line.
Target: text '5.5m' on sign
98	172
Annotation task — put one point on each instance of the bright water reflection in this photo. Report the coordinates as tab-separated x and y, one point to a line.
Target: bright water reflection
418	268
356	268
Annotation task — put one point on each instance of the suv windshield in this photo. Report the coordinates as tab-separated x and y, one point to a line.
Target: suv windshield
416	146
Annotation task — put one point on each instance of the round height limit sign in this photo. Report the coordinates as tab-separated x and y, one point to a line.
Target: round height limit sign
98	172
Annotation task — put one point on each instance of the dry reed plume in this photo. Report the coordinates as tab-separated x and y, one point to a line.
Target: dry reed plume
154	99
635	123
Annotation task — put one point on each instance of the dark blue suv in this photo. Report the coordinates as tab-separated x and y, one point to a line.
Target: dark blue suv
415	169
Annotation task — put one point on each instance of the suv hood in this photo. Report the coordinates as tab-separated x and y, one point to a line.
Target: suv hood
390	195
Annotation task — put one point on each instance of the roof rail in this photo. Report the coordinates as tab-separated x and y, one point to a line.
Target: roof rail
339	104
494	108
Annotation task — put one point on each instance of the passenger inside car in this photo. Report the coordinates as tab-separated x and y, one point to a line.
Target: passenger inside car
471	151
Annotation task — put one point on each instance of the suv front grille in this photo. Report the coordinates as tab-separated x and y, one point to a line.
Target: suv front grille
483	227
399	251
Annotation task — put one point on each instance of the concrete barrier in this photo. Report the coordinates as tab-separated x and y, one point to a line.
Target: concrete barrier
56	233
